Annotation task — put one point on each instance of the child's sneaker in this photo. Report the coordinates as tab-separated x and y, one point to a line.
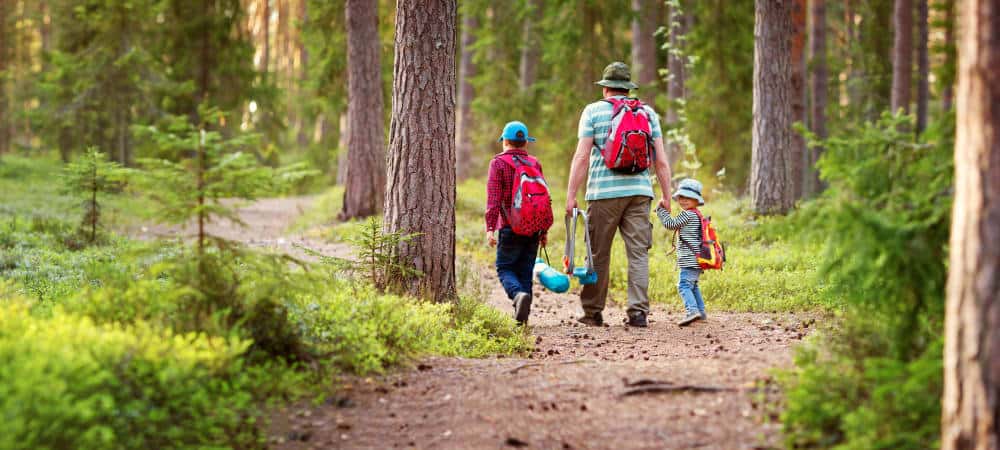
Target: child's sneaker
689	319
522	307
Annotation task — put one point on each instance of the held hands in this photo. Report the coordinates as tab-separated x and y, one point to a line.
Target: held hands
665	203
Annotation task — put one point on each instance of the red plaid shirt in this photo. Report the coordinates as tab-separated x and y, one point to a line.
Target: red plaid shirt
498	190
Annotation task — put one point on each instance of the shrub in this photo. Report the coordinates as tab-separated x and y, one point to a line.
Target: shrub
71	383
363	331
877	381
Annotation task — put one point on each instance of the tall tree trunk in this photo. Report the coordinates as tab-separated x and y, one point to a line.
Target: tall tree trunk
466	70
342	159
678	26
771	186
902	55
798	79
365	184
947	89
530	54
923	66
420	194
644	48
4	66
265	63
971	400
817	111
302	136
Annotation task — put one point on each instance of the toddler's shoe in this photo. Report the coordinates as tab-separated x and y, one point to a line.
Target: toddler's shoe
689	319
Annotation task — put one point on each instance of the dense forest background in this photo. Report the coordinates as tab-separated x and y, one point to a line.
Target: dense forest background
82	73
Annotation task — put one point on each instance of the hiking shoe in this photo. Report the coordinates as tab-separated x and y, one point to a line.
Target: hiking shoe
690	318
637	319
594	320
522	307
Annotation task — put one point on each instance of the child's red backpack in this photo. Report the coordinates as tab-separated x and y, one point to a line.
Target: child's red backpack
530	202
629	148
711	254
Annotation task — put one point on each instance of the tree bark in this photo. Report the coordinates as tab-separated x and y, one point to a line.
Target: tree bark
342	159
4	62
947	90
530	55
798	80
923	66
902	55
467	70
771	186
644	48
364	187
302	136
678	25
972	323
265	63
817	109
420	195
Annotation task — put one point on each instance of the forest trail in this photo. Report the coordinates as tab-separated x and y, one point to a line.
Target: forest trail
571	392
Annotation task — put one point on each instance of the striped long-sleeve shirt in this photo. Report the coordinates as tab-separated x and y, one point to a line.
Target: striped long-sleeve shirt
690	235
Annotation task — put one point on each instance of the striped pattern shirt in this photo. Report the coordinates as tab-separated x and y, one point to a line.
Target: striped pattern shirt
690	235
602	182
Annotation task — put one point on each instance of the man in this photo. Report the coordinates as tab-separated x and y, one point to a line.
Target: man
616	201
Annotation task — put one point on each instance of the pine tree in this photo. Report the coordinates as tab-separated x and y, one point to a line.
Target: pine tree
364	185
89	177
902	55
818	85
420	194
202	172
970	402
771	186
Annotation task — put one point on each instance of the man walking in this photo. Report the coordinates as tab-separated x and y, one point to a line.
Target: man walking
616	199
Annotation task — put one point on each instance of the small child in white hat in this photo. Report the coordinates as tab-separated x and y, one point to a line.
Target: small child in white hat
688	224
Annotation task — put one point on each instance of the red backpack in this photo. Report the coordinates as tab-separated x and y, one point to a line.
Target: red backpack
530	203
711	254
629	148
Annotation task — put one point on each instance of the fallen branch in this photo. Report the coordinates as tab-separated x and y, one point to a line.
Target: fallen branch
670	388
525	366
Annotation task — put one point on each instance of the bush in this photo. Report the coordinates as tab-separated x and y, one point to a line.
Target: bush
71	383
363	331
877	381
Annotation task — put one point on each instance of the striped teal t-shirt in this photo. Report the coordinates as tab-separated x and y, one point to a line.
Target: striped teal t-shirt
603	183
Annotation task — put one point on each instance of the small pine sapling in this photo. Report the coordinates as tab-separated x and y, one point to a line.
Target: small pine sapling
89	177
208	176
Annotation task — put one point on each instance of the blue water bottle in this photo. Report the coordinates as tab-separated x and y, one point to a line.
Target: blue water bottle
550	278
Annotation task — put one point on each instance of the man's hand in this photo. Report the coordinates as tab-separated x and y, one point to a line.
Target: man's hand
491	239
665	203
570	206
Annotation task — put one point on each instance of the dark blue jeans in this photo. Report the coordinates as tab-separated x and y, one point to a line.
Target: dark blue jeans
515	261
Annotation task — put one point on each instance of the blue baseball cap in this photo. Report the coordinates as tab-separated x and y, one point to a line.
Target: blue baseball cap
515	131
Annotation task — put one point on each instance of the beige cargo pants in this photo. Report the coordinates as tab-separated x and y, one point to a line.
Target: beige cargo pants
630	215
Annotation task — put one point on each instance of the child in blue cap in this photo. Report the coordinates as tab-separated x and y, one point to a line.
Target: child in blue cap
688	222
516	230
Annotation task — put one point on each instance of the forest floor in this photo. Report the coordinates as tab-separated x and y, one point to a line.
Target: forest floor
707	386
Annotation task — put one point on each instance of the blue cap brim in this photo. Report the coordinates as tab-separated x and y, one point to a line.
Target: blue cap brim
530	139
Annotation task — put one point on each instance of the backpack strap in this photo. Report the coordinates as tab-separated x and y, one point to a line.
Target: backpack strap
681	238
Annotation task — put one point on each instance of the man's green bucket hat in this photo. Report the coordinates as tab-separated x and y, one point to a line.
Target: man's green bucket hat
617	76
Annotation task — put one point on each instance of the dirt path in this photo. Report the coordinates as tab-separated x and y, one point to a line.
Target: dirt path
568	394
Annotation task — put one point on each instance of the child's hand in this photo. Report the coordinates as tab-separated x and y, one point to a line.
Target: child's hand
491	239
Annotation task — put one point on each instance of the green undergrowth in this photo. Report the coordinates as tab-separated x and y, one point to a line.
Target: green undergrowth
133	344
769	267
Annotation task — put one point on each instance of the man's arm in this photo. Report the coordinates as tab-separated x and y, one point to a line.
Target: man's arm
578	171
663	175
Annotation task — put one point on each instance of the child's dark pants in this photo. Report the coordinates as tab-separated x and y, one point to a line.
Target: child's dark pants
515	261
